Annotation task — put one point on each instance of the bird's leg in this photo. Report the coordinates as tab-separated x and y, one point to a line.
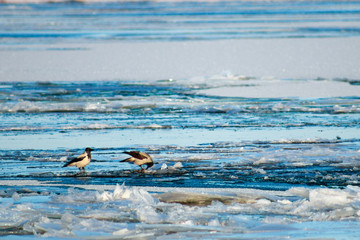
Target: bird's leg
78	172
141	170
82	170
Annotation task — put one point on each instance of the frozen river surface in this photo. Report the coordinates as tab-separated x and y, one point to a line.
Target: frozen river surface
250	110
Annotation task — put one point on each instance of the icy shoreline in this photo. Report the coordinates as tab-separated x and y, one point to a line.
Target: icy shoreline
307	58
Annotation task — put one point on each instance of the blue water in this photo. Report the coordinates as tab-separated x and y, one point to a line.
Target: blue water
169	21
294	160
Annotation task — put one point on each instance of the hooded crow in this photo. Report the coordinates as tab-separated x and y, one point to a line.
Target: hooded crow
81	161
139	158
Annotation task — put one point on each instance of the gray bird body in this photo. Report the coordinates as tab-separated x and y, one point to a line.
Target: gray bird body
81	161
139	158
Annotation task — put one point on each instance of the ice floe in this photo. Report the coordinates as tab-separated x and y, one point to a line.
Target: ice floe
126	212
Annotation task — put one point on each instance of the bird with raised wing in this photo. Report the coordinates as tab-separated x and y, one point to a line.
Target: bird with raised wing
81	161
139	158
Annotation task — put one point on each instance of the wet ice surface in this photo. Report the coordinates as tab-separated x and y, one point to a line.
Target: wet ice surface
260	164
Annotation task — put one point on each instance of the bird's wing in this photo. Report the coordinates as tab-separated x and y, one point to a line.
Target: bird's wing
137	154
77	159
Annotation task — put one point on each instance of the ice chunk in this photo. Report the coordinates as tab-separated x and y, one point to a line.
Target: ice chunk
354	189
284	201
142	196
260	170
178	165
123	231
132	194
149	215
214	223
68	220
342	213
163	166
16	196
263	202
201	199
265	160
329	198
299	191
121	192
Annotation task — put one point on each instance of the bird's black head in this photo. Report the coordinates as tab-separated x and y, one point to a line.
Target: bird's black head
149	165
88	150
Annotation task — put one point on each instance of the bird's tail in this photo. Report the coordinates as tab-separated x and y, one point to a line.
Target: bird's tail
66	164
